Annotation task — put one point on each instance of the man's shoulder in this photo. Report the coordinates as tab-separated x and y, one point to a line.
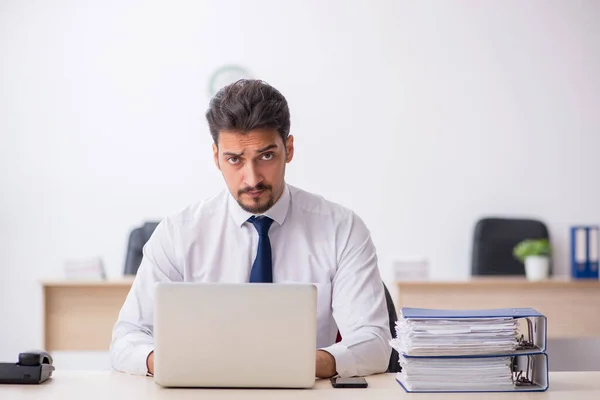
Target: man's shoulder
312	203
195	212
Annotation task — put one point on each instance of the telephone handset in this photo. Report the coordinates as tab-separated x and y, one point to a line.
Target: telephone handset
33	358
33	367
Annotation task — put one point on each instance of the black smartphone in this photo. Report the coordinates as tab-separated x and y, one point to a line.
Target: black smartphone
349	382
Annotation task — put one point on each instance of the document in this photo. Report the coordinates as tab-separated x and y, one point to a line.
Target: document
464	374
447	337
471	350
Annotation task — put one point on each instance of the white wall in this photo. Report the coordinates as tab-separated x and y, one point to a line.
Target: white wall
421	116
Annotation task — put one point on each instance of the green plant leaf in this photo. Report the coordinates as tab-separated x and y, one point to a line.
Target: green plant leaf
531	247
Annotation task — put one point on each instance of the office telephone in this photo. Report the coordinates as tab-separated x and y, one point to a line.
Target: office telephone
33	367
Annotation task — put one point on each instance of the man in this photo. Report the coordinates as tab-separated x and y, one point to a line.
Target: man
263	230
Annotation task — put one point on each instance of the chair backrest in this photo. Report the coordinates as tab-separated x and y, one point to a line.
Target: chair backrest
494	240
393	365
137	239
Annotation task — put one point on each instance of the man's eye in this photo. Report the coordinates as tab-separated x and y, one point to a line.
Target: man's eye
233	160
267	156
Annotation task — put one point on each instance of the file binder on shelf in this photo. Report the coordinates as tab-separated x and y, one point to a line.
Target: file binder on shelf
493	350
584	252
592	264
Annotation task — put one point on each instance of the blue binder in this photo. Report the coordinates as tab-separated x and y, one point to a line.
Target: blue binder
584	252
578	252
412	312
529	361
592	252
537	325
530	374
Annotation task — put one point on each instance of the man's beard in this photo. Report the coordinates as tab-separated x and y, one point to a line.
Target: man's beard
257	207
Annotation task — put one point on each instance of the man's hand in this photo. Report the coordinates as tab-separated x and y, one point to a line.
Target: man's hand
325	365
150	362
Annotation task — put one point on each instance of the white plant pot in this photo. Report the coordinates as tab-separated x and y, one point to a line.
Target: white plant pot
537	268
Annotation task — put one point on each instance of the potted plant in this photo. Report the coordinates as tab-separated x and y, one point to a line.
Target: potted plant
535	254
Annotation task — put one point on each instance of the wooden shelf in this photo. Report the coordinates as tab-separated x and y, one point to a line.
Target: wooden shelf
571	306
126	281
503	281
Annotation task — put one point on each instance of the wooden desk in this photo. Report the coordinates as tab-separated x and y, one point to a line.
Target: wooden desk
79	316
572	307
117	386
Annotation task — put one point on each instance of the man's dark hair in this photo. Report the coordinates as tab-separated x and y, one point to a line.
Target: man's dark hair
246	105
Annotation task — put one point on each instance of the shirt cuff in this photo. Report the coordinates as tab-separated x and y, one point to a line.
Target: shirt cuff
345	364
139	359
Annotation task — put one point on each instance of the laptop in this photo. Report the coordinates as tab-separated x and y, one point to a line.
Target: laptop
246	335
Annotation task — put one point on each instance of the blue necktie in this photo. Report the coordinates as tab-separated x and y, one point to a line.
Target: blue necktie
262	269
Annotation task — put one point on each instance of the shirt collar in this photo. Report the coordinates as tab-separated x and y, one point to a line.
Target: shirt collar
277	213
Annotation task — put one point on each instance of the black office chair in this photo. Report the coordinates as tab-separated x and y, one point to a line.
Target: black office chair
393	365
137	239
494	240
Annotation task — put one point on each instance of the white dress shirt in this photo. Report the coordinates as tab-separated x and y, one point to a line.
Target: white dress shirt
313	241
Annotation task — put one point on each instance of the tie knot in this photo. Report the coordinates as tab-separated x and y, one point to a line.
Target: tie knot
262	224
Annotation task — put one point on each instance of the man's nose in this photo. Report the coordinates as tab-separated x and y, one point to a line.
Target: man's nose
252	176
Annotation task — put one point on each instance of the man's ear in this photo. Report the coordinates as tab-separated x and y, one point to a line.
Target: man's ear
216	156
289	148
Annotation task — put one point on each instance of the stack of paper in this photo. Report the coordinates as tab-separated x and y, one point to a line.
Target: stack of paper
457	374
457	350
447	337
85	269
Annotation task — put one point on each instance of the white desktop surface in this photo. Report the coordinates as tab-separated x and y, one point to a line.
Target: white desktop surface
88	385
